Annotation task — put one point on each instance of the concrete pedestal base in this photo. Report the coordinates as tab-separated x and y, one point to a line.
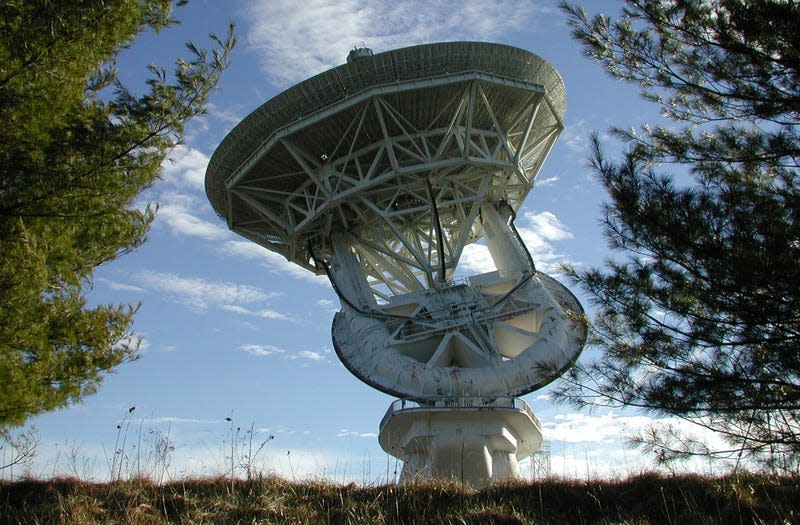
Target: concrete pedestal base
475	440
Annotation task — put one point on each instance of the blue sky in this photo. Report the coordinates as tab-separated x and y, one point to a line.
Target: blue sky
230	330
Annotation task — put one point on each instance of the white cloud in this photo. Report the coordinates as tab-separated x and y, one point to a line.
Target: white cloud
185	168
597	445
199	294
475	259
120	287
184	171
271	314
176	212
230	115
550	181
613	428
544	225
262	350
308	355
345	433
264	313
538	232
297	39
328	305
576	136
272	261
581	428
270	350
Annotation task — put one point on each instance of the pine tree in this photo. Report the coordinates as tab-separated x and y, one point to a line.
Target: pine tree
698	313
76	150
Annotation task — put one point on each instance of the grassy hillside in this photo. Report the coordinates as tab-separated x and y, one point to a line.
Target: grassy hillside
646	499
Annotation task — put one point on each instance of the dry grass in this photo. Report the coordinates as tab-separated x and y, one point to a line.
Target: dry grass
645	499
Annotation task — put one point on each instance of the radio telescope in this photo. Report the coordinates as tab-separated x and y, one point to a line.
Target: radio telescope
378	173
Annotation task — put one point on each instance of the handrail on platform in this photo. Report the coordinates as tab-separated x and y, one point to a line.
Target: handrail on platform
469	402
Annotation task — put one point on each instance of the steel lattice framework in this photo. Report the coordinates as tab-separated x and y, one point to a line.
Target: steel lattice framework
401	166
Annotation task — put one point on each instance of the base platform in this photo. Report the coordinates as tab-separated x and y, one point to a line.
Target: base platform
475	440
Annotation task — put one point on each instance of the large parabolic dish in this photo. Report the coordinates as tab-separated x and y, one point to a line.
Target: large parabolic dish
379	173
360	147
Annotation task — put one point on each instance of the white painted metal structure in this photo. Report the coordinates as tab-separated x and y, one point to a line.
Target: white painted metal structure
474	439
379	172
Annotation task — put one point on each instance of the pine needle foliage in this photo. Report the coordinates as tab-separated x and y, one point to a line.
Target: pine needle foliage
697	312
77	148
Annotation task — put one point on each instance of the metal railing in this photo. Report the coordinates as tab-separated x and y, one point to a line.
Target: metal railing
470	402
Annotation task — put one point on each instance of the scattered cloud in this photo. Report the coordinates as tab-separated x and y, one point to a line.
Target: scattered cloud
231	115
612	428
120	287
597	445
177	213
272	261
580	428
576	137
538	231
264	313
295	40
199	294
262	350
543	183
329	306
183	174
345	433
475	258
185	168
274	351
308	355
544	225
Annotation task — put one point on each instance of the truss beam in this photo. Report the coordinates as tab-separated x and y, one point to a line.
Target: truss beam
409	188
